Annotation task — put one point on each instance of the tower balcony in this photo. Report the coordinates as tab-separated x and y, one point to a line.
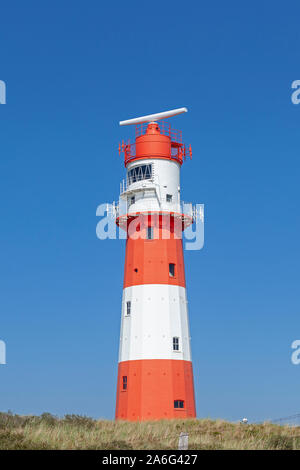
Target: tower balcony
187	213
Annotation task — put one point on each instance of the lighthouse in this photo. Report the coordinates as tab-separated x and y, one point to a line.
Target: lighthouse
155	373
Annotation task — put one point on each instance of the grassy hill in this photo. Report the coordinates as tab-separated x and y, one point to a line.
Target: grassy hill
79	432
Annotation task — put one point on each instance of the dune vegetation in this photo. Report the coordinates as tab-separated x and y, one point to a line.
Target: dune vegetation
80	432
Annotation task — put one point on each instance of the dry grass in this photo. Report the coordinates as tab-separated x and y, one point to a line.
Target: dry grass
79	432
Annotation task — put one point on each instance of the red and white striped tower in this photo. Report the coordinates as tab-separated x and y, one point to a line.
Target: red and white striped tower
155	375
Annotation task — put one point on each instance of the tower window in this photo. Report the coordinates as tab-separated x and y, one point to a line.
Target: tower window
169	197
124	382
132	200
128	307
139	173
178	404
175	343
171	269
150	233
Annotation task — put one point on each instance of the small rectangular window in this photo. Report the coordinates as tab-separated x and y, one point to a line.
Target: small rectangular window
132	200
128	307
149	233
178	404
172	270
124	382
169	197
175	343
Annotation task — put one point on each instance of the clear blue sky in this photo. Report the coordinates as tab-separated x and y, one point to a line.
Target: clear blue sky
73	69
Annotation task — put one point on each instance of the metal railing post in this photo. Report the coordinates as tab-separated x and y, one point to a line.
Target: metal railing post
183	442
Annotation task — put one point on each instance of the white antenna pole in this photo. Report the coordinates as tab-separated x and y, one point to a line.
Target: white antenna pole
153	117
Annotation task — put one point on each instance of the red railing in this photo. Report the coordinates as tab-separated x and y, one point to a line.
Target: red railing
179	152
165	129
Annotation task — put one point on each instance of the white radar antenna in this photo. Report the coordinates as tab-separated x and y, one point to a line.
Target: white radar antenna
153	117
